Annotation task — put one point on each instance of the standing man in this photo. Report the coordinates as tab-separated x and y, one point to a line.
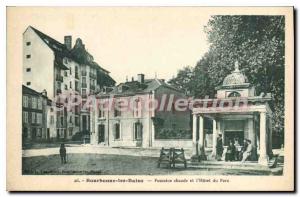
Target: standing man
219	148
63	153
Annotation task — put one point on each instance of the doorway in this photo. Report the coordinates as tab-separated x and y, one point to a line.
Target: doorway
101	133
138	134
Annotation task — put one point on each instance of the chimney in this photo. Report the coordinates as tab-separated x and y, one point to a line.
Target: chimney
141	78
44	92
68	42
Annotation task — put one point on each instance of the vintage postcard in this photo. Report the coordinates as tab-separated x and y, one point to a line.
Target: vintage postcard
150	99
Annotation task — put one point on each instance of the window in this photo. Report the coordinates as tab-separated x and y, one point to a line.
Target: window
62	121
39	132
28	43
76	121
70	71
39	118
70	84
28	69
71	120
138	131
70	131
65	73
101	111
28	83
25	101
76	86
83	92
83	79
51	119
66	87
28	56
32	117
40	103
34	102
25	117
137	108
117	131
117	112
234	94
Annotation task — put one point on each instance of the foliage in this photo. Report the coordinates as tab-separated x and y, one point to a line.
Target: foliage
171	134
257	42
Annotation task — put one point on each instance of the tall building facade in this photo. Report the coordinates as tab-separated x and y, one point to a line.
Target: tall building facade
60	69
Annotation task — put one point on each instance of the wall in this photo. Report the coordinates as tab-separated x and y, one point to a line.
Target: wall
41	63
126	120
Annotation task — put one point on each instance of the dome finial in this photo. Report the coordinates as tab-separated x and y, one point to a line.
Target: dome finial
236	66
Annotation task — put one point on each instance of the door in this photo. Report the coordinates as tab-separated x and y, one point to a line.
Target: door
101	134
138	134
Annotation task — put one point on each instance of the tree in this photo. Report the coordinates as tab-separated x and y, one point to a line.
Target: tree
257	42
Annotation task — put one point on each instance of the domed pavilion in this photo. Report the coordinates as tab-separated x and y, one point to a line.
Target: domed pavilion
237	113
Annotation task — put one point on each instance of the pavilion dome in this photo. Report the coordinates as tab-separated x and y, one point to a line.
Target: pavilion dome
235	78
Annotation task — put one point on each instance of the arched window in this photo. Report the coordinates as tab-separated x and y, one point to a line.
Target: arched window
234	94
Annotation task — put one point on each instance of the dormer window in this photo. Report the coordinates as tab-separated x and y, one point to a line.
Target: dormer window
234	94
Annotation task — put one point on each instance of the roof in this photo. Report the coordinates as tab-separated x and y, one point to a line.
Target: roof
134	87
78	53
235	78
28	90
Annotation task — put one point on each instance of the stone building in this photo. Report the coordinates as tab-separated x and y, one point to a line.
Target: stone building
34	115
58	68
236	112
117	124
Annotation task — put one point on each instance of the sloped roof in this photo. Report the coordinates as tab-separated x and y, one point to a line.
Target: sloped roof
78	53
134	87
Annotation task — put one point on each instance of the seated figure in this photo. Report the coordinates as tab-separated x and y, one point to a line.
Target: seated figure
248	152
230	153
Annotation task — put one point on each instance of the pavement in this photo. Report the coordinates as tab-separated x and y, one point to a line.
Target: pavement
94	150
86	158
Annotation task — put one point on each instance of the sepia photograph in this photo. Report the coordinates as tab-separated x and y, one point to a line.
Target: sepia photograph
146	96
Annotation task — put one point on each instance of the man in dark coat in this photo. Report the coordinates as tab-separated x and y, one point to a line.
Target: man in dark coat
63	153
230	153
219	147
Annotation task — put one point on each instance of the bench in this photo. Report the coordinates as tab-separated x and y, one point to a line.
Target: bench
171	157
165	157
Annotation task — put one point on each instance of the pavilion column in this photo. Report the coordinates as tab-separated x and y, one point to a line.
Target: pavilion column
263	157
252	136
270	152
195	147
201	138
215	135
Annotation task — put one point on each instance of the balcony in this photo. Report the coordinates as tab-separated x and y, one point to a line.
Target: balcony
83	73
59	78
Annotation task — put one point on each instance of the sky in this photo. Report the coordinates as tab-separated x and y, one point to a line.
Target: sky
124	41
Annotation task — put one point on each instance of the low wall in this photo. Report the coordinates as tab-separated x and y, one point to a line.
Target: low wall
176	143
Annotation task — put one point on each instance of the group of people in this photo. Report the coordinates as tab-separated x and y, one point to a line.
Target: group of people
234	152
